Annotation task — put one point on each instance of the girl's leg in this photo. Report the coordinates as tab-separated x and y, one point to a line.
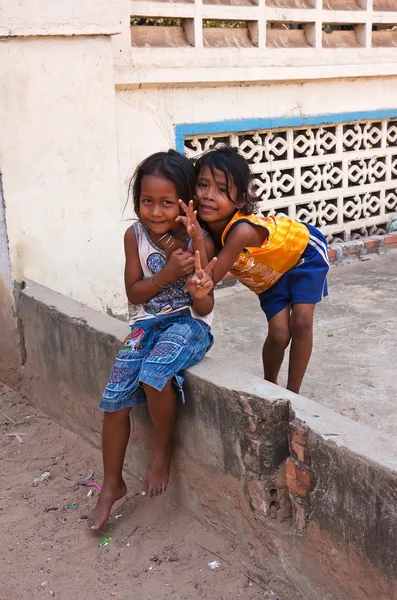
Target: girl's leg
278	338
163	411
301	325
115	436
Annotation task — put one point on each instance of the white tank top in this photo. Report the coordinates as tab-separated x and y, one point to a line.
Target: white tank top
175	297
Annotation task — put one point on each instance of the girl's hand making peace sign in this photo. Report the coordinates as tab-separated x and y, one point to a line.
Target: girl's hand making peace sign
193	227
200	283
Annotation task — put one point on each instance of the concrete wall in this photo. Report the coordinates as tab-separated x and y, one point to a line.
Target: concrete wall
246	453
58	148
45	17
10	355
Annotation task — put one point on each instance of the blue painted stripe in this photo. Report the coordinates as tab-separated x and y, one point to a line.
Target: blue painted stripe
218	127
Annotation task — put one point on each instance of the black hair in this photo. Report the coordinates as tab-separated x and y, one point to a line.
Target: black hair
233	165
172	166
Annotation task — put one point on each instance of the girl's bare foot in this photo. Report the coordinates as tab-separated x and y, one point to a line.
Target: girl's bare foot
108	496
157	475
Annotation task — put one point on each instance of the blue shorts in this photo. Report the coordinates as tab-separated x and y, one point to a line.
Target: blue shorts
306	283
157	350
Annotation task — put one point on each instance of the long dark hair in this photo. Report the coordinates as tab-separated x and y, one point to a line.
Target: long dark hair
172	166
229	161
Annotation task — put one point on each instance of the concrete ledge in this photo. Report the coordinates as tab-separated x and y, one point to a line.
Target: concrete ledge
76	17
274	471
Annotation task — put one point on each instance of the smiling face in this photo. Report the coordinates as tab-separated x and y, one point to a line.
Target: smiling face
158	204
216	203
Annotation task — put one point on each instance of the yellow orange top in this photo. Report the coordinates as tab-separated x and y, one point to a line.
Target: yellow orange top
260	268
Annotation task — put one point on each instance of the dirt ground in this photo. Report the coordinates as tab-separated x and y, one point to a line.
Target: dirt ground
155	550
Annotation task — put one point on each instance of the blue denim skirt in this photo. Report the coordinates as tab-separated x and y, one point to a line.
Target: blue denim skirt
157	350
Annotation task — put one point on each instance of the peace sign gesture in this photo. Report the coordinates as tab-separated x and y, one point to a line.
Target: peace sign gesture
193	228
200	283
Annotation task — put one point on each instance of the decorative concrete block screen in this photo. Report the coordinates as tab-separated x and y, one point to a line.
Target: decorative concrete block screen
341	177
264	24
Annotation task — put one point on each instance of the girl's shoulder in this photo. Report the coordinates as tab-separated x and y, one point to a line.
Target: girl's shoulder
134	232
246	223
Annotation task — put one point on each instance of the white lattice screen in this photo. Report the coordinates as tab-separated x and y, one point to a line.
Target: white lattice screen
341	178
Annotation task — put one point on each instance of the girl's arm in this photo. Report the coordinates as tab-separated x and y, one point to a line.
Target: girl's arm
201	285
140	290
242	236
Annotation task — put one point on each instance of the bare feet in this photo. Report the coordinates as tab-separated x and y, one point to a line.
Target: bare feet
108	496
157	475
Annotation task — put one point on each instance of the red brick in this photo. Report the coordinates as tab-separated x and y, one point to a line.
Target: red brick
391	240
298	489
331	255
294	471
299	451
290	468
371	244
298	434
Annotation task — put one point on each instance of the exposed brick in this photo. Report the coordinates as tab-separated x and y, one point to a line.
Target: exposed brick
298	488
294	471
331	255
391	240
300	452
371	244
290	468
298	434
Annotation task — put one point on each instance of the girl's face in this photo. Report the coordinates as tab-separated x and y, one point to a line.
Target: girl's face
214	204
158	204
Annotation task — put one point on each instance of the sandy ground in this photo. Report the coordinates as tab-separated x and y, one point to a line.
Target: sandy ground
156	551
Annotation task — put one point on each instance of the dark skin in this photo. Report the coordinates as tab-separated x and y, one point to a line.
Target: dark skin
293	323
159	208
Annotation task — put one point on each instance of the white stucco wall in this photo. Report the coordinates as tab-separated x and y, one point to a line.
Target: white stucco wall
58	155
46	17
156	111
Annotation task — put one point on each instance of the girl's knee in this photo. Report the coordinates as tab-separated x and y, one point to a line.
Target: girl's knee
279	336
301	325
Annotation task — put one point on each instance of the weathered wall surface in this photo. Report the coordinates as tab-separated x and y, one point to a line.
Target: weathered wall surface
75	17
10	356
246	453
58	148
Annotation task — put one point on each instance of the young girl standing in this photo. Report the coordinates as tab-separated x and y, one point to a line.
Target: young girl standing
169	333
284	262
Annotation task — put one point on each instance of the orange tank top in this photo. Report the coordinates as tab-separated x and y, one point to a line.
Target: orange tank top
260	268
